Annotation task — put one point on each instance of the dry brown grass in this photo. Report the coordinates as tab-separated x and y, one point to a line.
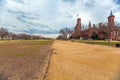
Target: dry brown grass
79	61
23	60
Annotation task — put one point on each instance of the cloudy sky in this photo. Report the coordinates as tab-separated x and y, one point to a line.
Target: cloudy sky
48	16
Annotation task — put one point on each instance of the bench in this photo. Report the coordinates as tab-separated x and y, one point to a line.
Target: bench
118	45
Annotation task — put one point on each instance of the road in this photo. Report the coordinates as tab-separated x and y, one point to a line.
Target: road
79	61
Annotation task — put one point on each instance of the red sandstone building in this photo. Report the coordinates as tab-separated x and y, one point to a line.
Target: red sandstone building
103	31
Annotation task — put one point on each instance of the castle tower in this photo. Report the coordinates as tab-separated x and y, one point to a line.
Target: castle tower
77	30
90	30
79	23
89	25
100	25
94	25
110	24
111	20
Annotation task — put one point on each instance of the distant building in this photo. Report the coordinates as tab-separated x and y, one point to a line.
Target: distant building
104	31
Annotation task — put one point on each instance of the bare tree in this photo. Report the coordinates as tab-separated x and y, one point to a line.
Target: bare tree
6	35
63	32
3	33
66	32
117	25
103	30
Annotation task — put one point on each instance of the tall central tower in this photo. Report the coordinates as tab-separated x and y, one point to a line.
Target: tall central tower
111	24
111	20
89	25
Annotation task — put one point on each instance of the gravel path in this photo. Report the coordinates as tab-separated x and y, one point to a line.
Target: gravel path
78	61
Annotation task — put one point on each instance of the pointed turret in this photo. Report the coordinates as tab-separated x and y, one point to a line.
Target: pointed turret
89	24
111	14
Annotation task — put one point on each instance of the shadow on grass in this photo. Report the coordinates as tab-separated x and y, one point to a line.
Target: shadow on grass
100	43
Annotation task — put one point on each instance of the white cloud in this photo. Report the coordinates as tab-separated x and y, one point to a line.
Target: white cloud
48	16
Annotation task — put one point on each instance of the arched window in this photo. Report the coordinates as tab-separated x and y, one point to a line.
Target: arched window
116	33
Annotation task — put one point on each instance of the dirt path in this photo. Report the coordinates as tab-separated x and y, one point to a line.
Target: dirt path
78	61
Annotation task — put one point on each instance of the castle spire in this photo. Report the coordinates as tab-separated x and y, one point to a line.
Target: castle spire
89	24
77	15
111	14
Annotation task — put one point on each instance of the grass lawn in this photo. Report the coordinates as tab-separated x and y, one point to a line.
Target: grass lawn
111	43
22	60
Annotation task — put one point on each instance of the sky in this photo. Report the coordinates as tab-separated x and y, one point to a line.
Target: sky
47	17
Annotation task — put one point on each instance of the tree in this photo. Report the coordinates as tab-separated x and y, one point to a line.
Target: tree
117	25
62	31
94	36
69	32
6	35
60	37
66	32
104	30
3	33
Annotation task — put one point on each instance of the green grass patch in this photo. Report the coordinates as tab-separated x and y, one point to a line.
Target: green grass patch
45	42
27	42
106	43
23	48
